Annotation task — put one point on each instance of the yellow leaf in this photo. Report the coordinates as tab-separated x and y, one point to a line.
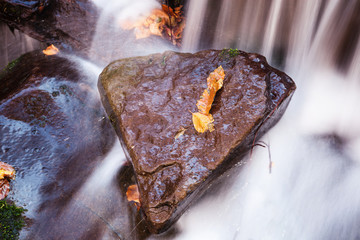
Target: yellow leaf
6	171
203	122
51	50
133	195
214	83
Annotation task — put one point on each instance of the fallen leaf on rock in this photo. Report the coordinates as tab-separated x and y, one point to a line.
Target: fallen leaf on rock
51	50
7	172
132	194
203	120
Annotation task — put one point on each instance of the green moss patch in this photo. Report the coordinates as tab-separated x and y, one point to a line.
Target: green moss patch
227	53
11	220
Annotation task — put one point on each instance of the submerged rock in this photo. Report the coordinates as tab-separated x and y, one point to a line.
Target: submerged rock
54	132
150	100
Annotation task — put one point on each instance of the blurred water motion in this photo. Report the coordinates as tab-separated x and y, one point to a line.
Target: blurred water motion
111	42
312	191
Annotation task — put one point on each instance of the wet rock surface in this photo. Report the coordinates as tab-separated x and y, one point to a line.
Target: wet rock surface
150	99
53	21
54	132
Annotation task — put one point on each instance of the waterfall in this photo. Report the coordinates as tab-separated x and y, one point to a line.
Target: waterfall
312	190
285	31
111	42
14	44
193	28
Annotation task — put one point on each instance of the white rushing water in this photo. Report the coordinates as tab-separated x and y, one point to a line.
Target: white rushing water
111	42
312	191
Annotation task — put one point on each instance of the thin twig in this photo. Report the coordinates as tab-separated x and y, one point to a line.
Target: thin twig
266	119
101	218
265	145
137	225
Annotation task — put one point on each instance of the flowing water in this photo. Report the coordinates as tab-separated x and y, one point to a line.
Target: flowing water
312	189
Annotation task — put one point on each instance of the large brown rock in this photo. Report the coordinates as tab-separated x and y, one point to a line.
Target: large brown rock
150	99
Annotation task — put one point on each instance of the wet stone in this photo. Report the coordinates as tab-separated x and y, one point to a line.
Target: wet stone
54	132
150	99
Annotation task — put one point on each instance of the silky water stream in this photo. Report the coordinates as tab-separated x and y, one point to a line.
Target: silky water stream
310	188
